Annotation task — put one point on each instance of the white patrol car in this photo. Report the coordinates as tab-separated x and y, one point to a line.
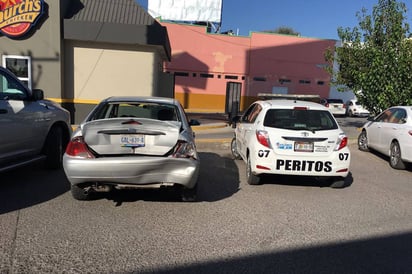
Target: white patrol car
291	137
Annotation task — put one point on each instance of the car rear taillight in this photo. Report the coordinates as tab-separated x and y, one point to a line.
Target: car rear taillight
343	106
410	132
300	108
263	138
78	148
184	149
327	105
341	142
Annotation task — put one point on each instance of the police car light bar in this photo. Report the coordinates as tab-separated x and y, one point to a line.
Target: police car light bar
302	97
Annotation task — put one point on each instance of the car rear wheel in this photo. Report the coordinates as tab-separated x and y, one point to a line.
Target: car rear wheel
80	193
252	179
338	182
395	159
233	147
188	194
53	148
363	141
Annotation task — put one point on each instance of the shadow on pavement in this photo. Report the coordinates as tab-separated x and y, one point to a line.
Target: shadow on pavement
388	254
31	185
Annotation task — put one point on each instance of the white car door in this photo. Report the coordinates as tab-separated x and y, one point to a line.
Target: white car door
391	129
245	129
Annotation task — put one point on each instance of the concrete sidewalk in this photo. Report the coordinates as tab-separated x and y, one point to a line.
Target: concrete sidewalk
208	120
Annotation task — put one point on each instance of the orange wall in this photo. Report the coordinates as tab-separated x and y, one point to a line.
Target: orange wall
246	60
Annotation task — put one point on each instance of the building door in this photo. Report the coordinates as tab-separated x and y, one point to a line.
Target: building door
232	107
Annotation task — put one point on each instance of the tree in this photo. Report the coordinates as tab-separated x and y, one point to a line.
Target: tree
284	30
375	58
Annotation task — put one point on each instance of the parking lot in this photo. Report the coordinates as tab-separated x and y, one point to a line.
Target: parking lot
285	225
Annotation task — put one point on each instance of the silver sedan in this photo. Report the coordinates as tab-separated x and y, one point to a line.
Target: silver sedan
133	142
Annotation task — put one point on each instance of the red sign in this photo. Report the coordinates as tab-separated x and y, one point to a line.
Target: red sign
18	16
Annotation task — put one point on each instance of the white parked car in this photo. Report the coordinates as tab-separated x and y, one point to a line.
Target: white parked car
354	108
291	137
390	133
336	106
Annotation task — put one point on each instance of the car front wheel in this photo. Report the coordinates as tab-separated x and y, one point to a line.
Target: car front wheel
234	150
363	141
395	159
252	179
188	194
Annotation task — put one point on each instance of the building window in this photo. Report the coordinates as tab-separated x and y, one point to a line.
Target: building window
206	75
321	83
304	82
183	74
232	77
261	79
20	66
283	81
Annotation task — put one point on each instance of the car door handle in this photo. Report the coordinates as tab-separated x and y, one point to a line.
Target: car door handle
3	111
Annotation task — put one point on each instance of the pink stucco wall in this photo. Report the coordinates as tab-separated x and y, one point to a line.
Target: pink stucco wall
258	61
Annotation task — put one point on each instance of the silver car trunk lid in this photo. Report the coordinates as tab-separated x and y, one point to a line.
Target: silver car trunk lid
123	136
314	143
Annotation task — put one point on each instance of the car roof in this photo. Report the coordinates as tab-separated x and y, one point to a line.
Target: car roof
291	104
148	99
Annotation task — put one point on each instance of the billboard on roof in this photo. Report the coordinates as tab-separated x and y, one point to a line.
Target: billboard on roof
186	10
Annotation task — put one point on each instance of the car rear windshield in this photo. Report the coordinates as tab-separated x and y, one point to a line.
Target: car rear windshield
151	110
298	119
335	101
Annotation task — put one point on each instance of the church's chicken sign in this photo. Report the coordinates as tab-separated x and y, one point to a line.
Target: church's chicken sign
17	17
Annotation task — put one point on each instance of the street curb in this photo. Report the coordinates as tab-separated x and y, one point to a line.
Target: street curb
210	126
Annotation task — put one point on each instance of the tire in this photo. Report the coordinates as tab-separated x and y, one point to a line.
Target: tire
79	193
395	156
252	179
363	141
188	194
338	182
53	148
234	150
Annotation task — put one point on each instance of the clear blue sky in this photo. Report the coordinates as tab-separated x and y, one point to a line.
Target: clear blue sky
311	18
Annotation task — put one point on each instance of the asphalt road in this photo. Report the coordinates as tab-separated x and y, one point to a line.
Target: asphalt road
286	225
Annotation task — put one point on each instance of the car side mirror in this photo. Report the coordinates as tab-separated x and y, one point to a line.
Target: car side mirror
38	94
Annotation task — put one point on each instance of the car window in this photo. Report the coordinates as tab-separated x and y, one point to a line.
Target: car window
251	113
295	119
10	89
397	115
165	112
384	116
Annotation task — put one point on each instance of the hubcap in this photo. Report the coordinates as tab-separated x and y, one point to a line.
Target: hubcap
363	141
395	154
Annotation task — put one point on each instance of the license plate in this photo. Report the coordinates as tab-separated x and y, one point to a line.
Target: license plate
304	146
132	141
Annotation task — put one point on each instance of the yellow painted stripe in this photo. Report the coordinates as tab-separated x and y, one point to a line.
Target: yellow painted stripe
74	101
